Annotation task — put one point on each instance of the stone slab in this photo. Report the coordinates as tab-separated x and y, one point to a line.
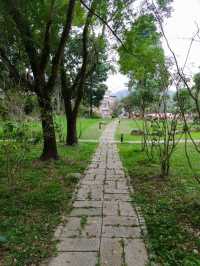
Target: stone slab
78	244
121	232
126	209
120	221
111	252
116	191
135	252
75	259
77	212
110	208
118	197
74	228
87	204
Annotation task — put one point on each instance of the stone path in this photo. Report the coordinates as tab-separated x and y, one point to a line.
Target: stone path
103	228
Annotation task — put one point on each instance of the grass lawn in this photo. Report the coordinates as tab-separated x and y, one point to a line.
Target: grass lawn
33	200
87	128
171	207
127	125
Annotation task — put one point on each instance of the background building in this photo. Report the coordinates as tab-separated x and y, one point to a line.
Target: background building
107	104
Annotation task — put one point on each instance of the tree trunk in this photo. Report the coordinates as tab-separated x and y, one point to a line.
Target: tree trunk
91	102
165	168
49	136
91	109
71	129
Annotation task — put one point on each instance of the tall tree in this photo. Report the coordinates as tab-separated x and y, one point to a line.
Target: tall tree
143	60
77	69
33	26
95	88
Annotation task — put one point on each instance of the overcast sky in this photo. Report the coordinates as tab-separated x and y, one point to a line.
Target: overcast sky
179	28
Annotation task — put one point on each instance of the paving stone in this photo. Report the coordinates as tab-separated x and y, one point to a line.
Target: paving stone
116	191
74	228
91	182
110	208
117	197
87	204
111	184
89	176
93	192
114	164
122	184
115	177
135	252
100	177
120	221
126	209
111	252
92	187
77	212
93	166
78	244
75	259
83	194
110	172
121	231
99	171
90	172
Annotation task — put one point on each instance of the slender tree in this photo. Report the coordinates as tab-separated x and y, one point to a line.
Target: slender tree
73	90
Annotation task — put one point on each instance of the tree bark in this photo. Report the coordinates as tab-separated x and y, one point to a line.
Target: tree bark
91	102
49	137
71	138
165	167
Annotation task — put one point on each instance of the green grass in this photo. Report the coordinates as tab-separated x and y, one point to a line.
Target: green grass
33	203
171	207
127	125
87	128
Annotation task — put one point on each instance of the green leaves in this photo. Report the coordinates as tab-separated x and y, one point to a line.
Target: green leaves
79	16
144	52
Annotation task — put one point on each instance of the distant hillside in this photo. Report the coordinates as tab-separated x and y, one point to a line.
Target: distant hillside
121	94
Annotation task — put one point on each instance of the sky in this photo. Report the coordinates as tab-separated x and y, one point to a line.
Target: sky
179	29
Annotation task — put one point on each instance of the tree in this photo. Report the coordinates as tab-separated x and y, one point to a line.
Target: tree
33	24
182	98
143	52
73	83
128	104
95	89
143	60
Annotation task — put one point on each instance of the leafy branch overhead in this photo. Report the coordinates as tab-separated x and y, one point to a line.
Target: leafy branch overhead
144	46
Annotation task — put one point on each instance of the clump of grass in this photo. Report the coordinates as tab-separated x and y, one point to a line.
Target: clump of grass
83	221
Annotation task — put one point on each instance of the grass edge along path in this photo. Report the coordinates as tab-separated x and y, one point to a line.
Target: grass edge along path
171	207
127	125
32	208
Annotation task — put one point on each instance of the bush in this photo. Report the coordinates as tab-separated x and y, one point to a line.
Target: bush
29	105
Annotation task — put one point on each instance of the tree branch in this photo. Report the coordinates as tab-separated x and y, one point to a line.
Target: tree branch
25	33
63	40
46	45
105	23
14	72
82	73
